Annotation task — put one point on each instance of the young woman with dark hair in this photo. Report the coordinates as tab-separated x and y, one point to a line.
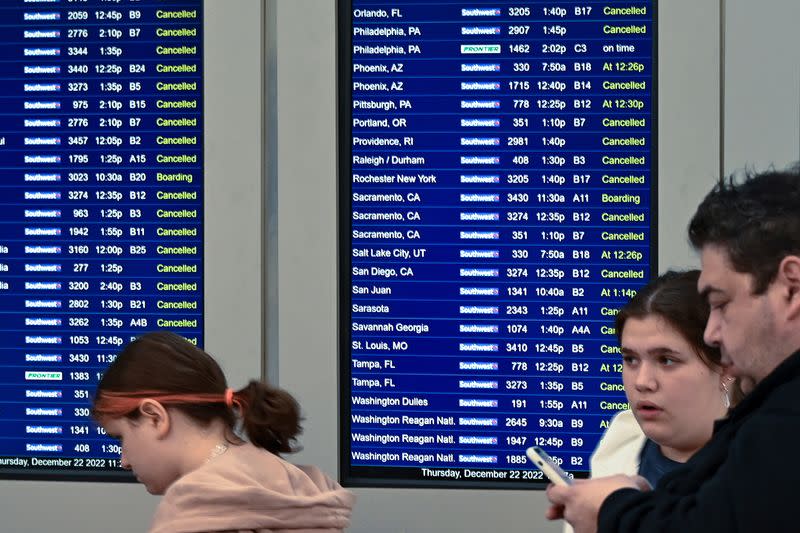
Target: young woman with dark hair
169	404
675	383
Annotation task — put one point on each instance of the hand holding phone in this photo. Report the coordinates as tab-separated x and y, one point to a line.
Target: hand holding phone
546	464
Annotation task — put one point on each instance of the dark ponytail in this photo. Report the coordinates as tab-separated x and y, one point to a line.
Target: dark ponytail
270	417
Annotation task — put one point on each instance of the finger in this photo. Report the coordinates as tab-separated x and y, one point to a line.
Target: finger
557	495
642	483
555	512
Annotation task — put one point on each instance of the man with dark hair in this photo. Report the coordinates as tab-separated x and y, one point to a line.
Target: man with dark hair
744	479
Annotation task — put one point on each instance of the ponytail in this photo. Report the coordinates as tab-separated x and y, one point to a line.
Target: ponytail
167	368
270	416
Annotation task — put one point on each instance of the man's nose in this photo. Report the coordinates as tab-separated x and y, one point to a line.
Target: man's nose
711	333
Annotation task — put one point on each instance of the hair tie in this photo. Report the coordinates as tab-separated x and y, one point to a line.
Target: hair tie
229	397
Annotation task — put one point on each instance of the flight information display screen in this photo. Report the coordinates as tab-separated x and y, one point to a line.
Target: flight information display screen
101	171
497	206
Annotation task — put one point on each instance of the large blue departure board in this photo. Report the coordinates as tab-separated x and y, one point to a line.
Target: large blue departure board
101	174
497	207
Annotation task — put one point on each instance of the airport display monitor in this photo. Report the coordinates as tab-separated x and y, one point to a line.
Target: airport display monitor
497	202
101	233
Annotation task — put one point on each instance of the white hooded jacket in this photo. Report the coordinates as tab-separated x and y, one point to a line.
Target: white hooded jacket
619	449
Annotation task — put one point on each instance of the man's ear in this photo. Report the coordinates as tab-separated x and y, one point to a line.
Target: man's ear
155	416
789	276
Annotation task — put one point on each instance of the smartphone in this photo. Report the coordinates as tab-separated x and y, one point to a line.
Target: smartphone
546	464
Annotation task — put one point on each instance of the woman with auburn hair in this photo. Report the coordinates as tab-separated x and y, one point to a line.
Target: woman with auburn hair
169	405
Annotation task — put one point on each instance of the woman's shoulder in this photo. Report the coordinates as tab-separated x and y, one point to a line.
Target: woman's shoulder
247	487
248	465
623	423
619	447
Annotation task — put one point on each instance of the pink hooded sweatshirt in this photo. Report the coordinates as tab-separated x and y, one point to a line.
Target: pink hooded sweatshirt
247	489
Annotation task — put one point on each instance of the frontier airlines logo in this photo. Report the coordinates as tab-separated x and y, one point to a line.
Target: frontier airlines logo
480	48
